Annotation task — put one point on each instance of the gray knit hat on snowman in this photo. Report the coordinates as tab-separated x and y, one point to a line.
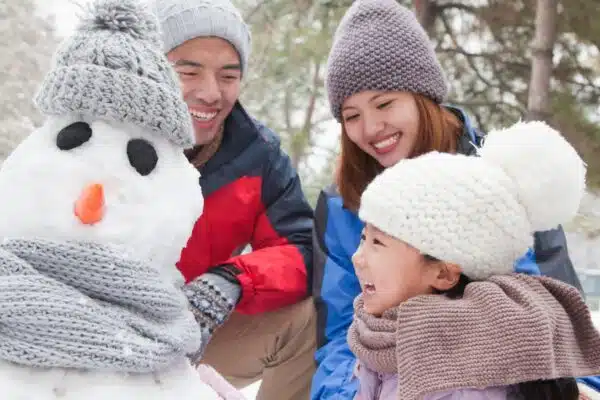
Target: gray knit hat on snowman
112	68
480	212
380	45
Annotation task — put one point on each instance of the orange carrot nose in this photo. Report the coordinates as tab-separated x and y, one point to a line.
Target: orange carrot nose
89	207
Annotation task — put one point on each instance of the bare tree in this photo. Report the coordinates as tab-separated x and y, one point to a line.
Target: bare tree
538	104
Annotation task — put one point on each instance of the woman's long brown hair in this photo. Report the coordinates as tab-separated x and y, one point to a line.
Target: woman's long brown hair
439	129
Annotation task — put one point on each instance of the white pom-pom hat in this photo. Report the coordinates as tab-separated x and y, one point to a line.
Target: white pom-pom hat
480	212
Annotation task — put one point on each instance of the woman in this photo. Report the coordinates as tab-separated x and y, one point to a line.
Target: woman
385	87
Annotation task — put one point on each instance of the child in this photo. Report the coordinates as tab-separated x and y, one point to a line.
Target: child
441	315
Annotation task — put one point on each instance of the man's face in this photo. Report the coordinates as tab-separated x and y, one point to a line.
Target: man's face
210	73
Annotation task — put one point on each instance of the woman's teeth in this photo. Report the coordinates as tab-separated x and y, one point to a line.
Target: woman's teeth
387	142
203	116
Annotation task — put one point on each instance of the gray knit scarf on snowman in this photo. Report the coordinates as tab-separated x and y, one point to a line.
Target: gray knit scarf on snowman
85	306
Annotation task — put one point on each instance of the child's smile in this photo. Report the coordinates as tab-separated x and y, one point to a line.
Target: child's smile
391	271
368	288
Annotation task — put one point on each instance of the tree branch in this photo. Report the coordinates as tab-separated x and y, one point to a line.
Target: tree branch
248	16
426	12
461	50
457	6
312	101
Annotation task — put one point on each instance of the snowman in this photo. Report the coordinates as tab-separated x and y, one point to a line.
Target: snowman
96	206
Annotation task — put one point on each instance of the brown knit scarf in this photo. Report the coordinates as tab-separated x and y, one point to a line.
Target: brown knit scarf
503	331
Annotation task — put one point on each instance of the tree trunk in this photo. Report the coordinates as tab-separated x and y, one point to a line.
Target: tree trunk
538	103
426	13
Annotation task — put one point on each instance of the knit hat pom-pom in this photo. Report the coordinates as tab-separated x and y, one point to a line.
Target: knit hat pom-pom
127	16
548	172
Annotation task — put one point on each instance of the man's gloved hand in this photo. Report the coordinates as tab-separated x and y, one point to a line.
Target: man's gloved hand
212	299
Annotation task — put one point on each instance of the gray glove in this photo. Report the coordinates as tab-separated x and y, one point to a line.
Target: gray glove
212	299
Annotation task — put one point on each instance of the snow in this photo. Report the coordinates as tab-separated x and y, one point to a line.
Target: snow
596	319
151	216
181	383
250	392
583	234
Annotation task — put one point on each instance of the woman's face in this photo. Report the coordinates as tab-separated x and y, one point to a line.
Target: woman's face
383	124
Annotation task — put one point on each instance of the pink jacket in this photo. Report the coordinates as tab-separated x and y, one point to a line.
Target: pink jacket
374	386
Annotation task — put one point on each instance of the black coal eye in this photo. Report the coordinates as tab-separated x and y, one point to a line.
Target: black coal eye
142	156
73	136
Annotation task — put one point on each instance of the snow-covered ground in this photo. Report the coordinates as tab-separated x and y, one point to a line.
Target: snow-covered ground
596	318
584	248
251	391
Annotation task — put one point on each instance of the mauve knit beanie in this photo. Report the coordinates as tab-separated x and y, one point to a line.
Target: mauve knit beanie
380	45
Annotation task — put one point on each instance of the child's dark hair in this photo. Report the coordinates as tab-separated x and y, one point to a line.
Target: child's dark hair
554	389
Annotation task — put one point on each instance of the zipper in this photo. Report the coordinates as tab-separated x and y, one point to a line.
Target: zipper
379	385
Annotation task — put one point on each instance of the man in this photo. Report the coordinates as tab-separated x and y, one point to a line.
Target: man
252	196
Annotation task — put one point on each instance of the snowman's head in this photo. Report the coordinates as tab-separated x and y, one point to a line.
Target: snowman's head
82	179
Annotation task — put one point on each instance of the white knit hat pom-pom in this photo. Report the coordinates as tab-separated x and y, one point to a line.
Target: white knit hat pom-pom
548	172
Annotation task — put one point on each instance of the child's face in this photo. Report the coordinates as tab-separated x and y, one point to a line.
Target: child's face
391	271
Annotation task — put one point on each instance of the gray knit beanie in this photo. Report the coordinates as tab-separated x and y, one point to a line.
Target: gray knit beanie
380	45
113	68
182	20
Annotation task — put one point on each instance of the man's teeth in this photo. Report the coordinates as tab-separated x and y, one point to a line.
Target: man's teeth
387	142
203	116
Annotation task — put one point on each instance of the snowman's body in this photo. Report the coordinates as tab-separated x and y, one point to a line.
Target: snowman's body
180	383
148	209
